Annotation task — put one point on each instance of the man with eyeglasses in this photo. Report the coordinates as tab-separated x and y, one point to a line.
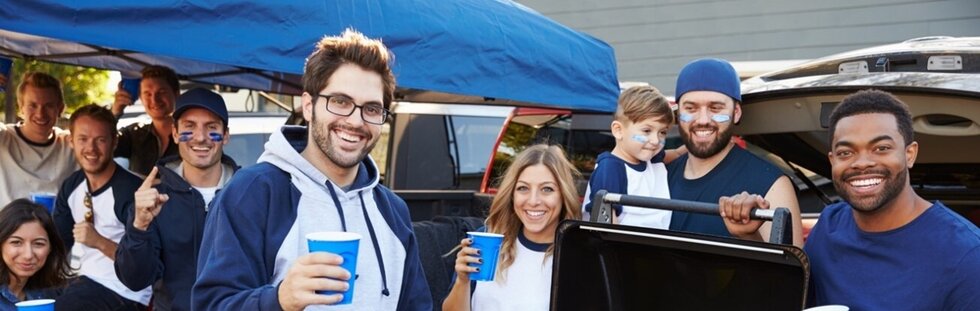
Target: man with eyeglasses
34	153
310	179
166	223
90	213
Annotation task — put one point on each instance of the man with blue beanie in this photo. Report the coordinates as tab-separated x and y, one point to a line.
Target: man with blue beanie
709	100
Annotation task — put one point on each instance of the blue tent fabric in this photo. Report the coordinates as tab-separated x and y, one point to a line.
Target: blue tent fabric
488	48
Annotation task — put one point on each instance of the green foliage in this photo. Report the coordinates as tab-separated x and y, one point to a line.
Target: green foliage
80	85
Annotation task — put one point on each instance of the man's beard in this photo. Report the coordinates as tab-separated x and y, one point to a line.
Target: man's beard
713	148
893	185
322	136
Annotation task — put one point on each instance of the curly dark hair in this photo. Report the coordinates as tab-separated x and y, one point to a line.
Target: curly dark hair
56	270
350	47
874	101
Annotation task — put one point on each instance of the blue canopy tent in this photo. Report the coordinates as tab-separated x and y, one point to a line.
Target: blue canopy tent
472	51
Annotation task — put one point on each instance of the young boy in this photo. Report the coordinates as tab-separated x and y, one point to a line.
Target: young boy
636	165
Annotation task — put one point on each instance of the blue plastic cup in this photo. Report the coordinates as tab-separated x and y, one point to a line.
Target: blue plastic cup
132	86
5	65
343	244
36	305
489	246
44	198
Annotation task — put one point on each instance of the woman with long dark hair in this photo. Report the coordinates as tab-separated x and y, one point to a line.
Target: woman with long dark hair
35	261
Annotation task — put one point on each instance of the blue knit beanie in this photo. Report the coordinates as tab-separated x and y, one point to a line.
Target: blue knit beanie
709	74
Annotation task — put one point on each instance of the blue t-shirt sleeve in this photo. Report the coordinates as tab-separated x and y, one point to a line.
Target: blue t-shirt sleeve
609	176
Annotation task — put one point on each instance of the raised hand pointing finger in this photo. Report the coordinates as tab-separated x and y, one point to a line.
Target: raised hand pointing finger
148	201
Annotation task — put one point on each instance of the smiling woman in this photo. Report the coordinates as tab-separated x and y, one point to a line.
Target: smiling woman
536	193
34	261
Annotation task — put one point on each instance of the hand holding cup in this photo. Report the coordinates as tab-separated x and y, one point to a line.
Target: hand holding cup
487	247
311	274
467	255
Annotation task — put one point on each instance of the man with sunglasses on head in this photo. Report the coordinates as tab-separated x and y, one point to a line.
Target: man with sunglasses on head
310	179
166	223
90	213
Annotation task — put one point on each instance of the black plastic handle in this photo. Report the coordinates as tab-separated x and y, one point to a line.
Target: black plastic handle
782	226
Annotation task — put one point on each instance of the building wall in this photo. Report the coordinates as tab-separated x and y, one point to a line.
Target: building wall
653	39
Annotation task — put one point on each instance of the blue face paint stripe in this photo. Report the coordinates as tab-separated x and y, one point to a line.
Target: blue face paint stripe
186	136
720	118
640	138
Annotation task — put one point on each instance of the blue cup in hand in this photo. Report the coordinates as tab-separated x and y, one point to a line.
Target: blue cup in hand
343	244
132	86
45	199
5	65
36	305
489	246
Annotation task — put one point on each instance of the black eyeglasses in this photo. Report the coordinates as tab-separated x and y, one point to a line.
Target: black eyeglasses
341	105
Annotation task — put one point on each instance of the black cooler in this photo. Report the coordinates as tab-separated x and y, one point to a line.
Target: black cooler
600	266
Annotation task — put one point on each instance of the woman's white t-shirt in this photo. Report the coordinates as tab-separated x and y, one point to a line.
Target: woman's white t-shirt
527	286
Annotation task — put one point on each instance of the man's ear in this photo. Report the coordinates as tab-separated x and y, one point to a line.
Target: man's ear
225	137
738	113
176	136
617	129
911	151
308	107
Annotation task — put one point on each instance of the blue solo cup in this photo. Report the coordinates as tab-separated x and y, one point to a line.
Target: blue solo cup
343	244
489	246
5	64
46	199
36	305
132	86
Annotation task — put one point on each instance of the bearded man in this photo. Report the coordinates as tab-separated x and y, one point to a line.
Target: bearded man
708	96
255	255
90	214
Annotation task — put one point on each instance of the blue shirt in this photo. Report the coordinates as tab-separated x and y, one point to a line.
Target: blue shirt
931	263
739	171
8	299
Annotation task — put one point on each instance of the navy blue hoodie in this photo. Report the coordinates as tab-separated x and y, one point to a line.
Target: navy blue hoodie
168	249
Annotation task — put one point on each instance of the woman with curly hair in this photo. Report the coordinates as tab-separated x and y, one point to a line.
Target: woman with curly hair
35	261
536	193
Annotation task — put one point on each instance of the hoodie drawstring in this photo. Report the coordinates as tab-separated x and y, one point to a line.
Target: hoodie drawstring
374	239
377	249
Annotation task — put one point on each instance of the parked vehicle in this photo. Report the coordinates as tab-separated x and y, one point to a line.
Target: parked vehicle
786	114
444	159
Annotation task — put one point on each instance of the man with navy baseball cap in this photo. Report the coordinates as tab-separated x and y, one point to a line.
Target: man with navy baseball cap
166	225
709	99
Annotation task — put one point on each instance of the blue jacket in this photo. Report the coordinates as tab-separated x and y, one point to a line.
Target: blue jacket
257	227
168	248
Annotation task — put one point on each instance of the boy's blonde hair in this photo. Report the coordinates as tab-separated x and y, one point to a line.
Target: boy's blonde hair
643	102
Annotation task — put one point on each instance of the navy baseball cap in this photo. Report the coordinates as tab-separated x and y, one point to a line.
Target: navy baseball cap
709	74
202	98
